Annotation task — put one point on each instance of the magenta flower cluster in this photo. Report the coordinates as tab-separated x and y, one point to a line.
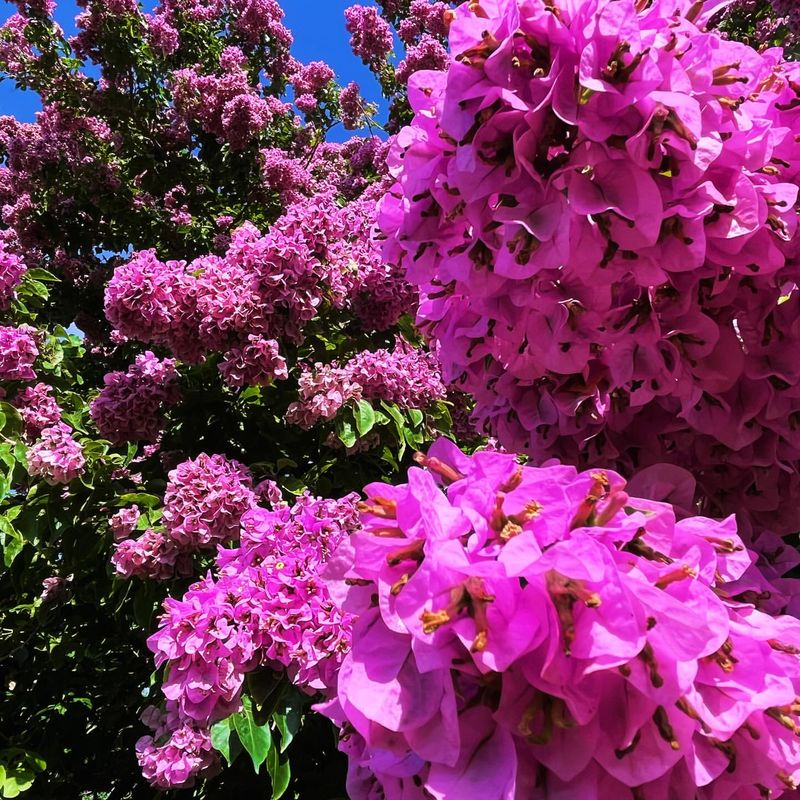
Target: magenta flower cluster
267	609
38	408
131	405
409	377
205	500
537	632
204	503
266	288
12	268
225	105
370	35
257	363
124	522
177	751
599	207
55	456
18	351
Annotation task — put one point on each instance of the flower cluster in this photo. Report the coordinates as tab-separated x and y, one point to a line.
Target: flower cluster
268	608
370	35
205	500
18	351
257	363
266	288
56	456
203	507
599	208
38	408
131	405
537	632
226	105
409	377
151	556
55	589
124	522
12	268
177	751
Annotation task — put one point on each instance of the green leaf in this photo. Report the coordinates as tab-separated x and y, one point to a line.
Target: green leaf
256	739
140	499
365	417
221	737
12	547
10	420
416	417
345	432
41	275
288	723
279	771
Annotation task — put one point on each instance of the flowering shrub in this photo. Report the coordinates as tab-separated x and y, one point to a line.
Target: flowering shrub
204	334
605	255
538	631
267	609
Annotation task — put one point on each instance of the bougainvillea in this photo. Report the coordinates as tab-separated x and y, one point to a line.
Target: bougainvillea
267	609
599	208
204	333
131	404
18	351
538	632
55	455
38	408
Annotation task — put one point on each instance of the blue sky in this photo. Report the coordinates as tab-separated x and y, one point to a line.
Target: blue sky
318	27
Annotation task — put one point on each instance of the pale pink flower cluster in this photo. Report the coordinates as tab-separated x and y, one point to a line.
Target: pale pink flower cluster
131	405
56	456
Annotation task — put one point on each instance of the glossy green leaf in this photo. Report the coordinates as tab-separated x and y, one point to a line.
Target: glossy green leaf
416	417
221	737
365	417
279	772
346	432
256	739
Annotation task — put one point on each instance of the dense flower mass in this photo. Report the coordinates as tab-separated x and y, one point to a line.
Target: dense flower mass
177	752
599	208
131	405
18	351
205	500
267	608
12	268
257	363
266	288
406	376
152	555
539	633
370	34
124	522
56	456
38	408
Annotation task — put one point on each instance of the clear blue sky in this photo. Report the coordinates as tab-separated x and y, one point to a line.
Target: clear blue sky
318	27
